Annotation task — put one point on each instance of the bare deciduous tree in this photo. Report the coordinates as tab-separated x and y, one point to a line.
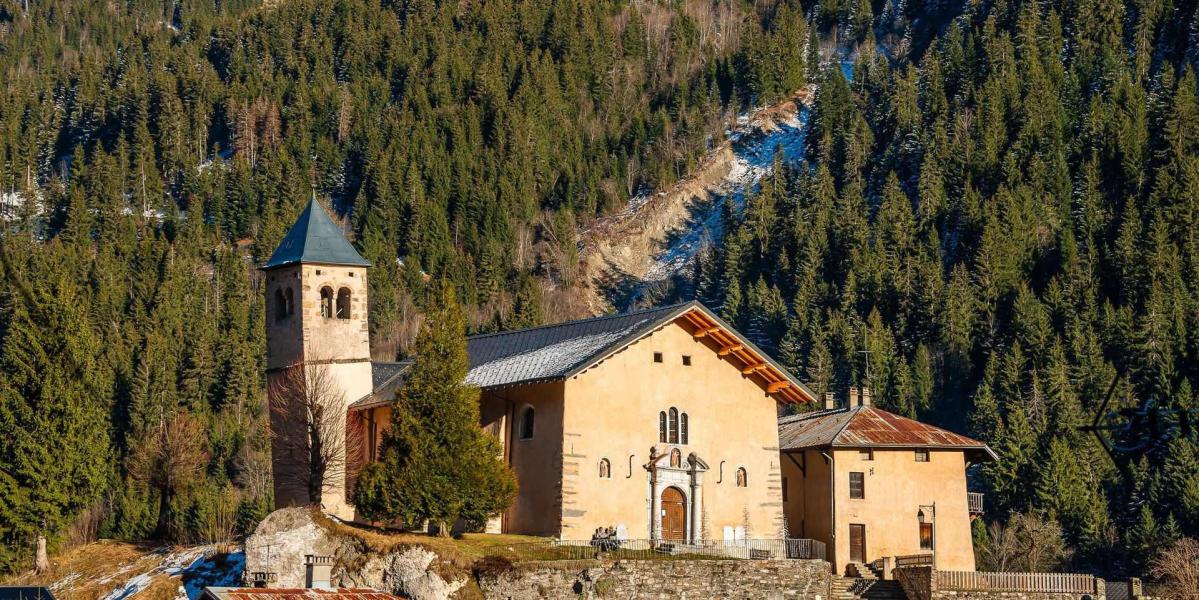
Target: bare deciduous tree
1177	570
170	458
1026	543
313	442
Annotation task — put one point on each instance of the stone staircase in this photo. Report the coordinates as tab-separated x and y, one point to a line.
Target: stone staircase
862	588
863	583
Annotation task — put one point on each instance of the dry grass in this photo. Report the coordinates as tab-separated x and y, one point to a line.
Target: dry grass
91	571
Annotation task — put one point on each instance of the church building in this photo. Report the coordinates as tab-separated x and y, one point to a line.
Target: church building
661	424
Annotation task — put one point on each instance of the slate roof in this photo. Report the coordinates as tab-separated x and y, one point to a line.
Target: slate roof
315	238
558	351
386	379
227	593
869	427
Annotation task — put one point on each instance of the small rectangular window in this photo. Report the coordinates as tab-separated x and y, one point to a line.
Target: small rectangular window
318	271
686	361
657	357
857	486
866	454
922	455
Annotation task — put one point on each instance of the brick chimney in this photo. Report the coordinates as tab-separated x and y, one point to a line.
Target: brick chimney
318	571
830	401
864	399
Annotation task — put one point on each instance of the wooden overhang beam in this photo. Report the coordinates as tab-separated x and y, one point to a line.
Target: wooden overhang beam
705	331
777	386
726	350
751	369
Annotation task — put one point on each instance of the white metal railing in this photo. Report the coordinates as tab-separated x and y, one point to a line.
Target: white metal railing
974	501
1070	583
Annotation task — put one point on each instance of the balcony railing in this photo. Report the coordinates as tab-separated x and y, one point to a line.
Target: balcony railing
975	501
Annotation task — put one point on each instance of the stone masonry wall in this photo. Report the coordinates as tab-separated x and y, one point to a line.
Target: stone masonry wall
684	580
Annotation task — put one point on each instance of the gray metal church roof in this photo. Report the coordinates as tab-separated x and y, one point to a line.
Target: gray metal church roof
315	238
557	351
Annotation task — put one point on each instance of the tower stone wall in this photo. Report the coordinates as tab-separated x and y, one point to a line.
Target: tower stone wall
318	355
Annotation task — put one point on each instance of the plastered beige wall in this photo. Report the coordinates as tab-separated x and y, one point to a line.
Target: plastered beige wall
896	487
611	411
537	462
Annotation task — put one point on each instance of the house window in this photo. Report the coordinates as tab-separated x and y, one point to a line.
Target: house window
327	302
605	469
686	361
526	423
343	303
866	454
662	427
683	428
676	458
673	425
290	302
926	536
742	477
857	486
922	455
658	357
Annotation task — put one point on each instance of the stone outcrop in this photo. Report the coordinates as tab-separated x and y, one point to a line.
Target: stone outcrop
364	559
286	536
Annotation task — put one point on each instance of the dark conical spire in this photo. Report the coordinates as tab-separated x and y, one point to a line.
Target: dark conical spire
315	238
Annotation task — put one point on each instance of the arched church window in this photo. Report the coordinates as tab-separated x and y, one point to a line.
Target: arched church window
676	458
526	423
327	302
280	306
289	302
683	428
673	425
605	469
343	303
742	477
662	427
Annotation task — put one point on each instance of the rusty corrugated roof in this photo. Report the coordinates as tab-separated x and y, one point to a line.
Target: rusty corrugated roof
868	427
224	593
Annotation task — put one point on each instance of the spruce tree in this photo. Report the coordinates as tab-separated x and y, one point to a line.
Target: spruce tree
436	462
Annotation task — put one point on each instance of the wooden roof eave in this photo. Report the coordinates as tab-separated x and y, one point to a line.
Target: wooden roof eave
772	377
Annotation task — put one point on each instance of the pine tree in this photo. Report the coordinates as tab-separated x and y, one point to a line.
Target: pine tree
436	463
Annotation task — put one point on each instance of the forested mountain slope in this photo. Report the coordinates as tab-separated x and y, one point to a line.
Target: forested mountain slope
988	234
999	214
152	153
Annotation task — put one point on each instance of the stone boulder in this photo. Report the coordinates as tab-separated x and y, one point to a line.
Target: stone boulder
286	536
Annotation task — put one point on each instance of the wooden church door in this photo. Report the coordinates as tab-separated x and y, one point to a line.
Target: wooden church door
674	515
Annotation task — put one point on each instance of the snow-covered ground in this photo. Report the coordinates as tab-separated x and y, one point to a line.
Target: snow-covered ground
188	569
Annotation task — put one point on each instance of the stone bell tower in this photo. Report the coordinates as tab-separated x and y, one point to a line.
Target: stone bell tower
318	359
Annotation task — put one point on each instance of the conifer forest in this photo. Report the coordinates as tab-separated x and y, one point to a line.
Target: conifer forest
995	225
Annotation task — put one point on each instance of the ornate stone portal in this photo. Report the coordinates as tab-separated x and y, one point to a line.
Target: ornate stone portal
667	472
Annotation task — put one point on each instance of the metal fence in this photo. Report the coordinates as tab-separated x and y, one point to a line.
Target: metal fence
1069	583
755	549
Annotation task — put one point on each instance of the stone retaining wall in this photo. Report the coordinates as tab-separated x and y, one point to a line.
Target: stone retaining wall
681	579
